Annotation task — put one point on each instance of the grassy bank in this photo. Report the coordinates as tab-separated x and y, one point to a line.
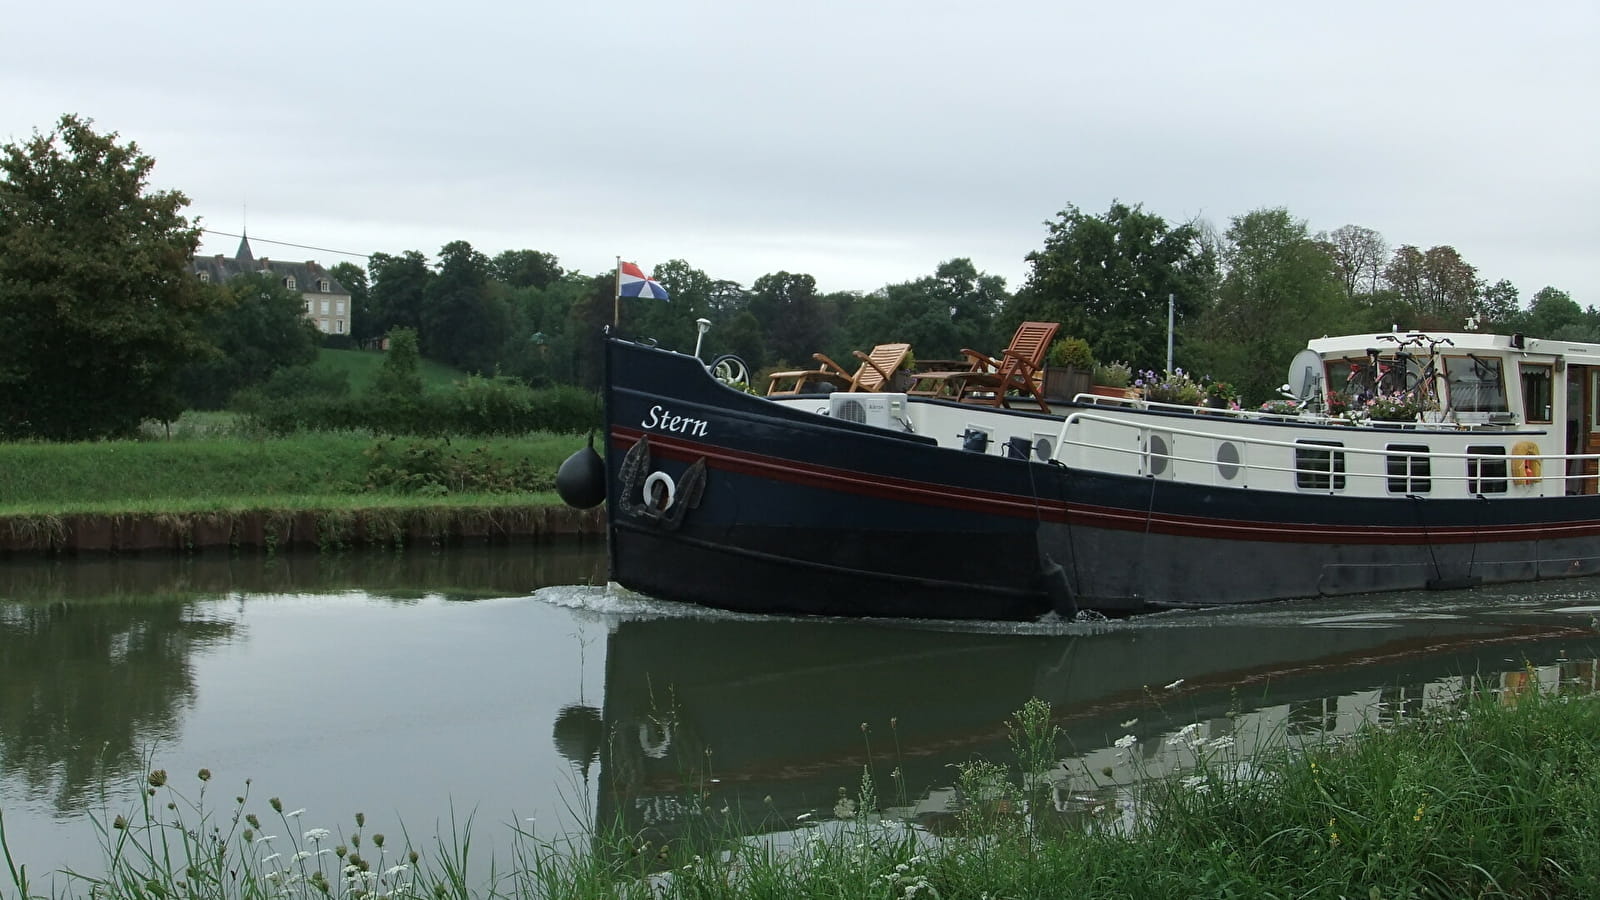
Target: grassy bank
1495	796
361	368
321	470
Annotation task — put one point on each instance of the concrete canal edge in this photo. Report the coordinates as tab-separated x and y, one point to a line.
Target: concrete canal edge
268	530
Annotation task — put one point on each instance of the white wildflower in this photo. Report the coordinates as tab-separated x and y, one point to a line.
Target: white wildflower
1130	723
802	817
1222	743
270	857
1193	781
1124	742
296	814
392	871
1187	734
316	835
1174	685
302	855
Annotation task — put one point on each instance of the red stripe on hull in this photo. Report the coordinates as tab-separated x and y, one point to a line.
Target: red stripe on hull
903	490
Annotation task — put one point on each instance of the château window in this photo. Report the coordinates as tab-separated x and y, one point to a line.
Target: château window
324	307
288	282
340	324
205	277
322	285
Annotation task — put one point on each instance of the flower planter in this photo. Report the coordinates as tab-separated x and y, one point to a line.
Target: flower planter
1061	385
1106	390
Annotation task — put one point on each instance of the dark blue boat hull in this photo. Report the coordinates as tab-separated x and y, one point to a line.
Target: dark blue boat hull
806	514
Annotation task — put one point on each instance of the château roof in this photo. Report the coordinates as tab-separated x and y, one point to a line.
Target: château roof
219	268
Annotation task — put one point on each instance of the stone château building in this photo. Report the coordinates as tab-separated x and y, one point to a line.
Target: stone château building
327	301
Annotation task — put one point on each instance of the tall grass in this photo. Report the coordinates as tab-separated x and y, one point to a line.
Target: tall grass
212	473
1495	796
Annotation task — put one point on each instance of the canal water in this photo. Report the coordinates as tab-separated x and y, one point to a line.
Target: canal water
514	688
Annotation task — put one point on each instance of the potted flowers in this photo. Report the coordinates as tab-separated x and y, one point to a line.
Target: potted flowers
1069	369
1175	387
1393	408
1220	394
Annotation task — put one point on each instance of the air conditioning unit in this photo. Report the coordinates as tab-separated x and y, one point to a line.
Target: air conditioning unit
882	410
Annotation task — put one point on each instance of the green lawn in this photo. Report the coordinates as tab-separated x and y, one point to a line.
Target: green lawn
362	366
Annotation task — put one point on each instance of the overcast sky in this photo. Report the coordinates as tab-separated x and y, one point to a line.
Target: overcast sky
863	143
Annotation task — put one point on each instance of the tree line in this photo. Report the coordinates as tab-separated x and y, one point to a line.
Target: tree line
103	326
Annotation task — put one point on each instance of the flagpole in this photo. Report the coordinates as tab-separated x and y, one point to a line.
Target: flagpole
616	300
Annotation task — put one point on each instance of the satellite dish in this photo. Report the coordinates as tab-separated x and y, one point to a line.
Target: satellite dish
1305	375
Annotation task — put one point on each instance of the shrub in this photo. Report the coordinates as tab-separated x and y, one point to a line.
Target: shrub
1071	353
434	468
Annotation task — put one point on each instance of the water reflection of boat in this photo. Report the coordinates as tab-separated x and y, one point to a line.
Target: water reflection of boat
769	720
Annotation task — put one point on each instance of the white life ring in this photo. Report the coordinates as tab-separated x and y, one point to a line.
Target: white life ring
655	738
665	480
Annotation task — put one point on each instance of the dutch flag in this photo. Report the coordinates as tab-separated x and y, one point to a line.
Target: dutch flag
632	282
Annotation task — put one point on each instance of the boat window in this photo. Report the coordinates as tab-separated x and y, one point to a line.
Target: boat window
1158	450
1486	470
1351	377
1318	468
1409	474
1044	447
1476	383
1537	392
1228	460
1360	378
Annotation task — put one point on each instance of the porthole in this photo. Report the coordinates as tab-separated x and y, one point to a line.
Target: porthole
1159	451
1228	460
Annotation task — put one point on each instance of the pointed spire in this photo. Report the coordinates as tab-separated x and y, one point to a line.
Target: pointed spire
244	255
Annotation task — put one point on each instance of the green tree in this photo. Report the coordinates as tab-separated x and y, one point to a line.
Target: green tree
99	311
938	314
399	378
399	285
365	328
1107	278
740	335
790	314
1359	255
259	328
1281	288
527	268
462	323
1441	289
1499	308
726	299
1554	315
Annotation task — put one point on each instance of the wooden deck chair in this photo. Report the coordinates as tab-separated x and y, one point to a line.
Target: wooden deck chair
874	373
989	380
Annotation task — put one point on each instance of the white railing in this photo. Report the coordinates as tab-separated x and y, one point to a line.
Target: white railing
1364	466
